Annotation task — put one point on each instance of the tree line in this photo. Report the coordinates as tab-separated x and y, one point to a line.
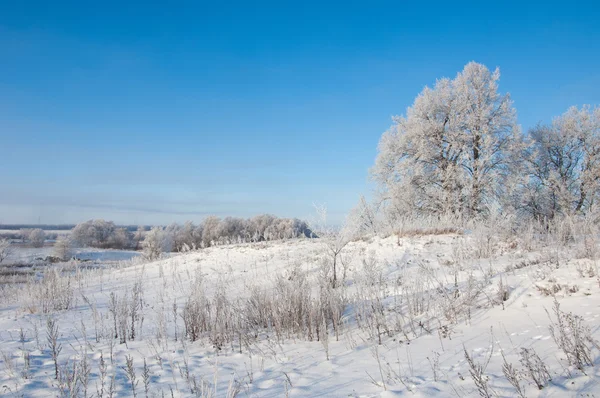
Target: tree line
175	237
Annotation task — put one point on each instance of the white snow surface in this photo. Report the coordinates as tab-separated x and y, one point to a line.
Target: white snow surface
404	364
29	255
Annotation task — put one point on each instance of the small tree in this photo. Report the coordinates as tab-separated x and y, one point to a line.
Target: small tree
334	239
24	232
5	249
62	248
37	237
155	243
209	236
120	239
363	217
138	237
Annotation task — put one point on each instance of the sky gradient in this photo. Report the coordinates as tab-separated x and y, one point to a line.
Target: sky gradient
146	115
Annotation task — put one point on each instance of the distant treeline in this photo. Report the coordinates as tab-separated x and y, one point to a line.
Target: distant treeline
61	227
176	237
43	227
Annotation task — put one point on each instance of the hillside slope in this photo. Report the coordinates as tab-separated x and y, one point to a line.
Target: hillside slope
262	320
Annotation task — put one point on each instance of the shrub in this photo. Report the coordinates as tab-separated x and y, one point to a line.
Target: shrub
572	336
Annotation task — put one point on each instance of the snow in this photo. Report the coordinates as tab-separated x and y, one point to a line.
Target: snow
404	364
28	255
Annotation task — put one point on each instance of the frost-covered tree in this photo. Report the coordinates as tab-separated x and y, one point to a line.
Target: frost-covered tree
94	233
5	249
214	230
197	234
363	217
229	229
102	234
24	232
187	234
276	230
138	237
156	242
185	237
334	239
563	165
121	238
173	230
259	225
210	233
37	237
452	150
62	247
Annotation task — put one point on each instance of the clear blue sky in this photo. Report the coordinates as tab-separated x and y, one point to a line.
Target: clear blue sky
150	114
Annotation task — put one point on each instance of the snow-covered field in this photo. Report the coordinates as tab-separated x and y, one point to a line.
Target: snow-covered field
405	317
29	255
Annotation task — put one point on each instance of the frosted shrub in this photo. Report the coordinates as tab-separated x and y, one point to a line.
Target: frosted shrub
221	318
535	368
55	346
195	313
573	337
54	292
477	372
485	240
286	311
123	319
370	306
290	306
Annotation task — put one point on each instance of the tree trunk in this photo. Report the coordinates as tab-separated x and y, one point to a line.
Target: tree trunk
334	280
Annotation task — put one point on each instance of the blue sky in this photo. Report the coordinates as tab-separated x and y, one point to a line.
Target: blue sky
150	114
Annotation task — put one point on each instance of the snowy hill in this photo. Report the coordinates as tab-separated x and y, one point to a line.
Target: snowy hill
262	320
